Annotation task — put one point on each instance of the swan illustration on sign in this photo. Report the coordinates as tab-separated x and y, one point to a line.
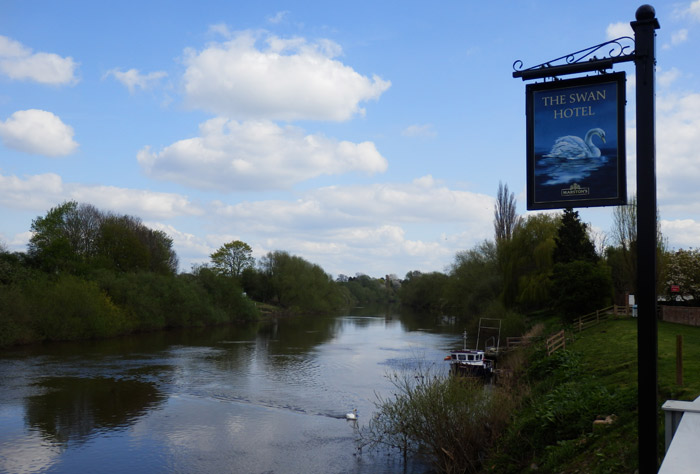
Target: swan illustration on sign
572	159
573	147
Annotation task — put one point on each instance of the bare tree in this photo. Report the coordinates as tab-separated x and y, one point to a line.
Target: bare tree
505	218
624	237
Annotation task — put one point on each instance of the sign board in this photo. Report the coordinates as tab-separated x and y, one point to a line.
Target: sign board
576	142
675	289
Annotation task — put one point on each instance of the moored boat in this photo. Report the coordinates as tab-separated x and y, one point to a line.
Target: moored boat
470	361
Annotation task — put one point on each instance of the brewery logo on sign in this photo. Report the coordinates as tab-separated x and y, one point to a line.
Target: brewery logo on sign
575	190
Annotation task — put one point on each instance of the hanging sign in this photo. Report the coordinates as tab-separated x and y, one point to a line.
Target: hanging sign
576	143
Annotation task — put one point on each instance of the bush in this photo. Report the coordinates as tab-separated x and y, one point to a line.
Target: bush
452	420
71	308
556	420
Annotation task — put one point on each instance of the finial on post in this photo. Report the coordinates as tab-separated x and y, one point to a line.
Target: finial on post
646	15
645	12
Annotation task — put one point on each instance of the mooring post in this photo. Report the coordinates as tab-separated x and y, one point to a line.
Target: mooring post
647	347
679	360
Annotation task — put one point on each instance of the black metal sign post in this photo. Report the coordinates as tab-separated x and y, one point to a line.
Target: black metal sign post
647	346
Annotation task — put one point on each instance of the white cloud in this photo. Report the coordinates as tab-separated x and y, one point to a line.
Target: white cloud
34	192
38	132
190	248
19	63
135	201
618	30
278	17
282	79
421	201
682	233
678	142
133	78
680	36
422	131
25	454
677	37
256	155
693	10
666	78
359	228
41	192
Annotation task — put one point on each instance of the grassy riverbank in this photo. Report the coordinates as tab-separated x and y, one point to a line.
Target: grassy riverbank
595	377
572	412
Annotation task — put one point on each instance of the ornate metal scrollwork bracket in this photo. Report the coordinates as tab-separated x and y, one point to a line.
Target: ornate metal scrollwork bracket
615	51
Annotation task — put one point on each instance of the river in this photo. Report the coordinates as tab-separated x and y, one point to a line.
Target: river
268	398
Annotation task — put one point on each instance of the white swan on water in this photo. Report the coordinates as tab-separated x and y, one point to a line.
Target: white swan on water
352	415
573	147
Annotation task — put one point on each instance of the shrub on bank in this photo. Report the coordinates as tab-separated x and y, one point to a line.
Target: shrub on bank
554	423
42	307
454	421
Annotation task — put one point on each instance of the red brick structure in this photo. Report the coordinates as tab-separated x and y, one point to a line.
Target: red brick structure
681	314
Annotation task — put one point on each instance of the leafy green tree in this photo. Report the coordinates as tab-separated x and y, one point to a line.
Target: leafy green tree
232	258
119	247
292	282
424	291
475	280
525	262
365	289
72	237
50	245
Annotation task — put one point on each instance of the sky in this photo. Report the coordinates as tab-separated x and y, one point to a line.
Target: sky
365	137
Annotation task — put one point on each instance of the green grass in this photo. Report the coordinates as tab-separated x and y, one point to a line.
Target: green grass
609	351
595	376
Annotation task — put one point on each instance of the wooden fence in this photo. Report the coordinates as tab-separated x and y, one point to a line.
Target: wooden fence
591	319
513	342
555	342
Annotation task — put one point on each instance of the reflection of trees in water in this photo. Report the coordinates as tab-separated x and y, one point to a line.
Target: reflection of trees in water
73	408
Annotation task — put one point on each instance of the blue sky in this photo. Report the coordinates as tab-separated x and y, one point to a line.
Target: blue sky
362	136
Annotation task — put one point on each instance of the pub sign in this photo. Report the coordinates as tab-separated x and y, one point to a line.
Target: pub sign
576	142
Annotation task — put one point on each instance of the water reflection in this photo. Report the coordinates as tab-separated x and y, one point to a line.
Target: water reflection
229	399
73	409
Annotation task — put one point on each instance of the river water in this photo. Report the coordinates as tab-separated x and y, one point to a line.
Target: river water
269	398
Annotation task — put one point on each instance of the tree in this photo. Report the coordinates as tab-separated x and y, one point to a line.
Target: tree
683	270
505	218
292	282
50	245
526	263
580	284
119	247
474	280
572	240
424	291
232	258
624	236
624	255
581	287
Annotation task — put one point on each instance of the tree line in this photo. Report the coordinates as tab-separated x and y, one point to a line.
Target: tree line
88	273
94	274
548	262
